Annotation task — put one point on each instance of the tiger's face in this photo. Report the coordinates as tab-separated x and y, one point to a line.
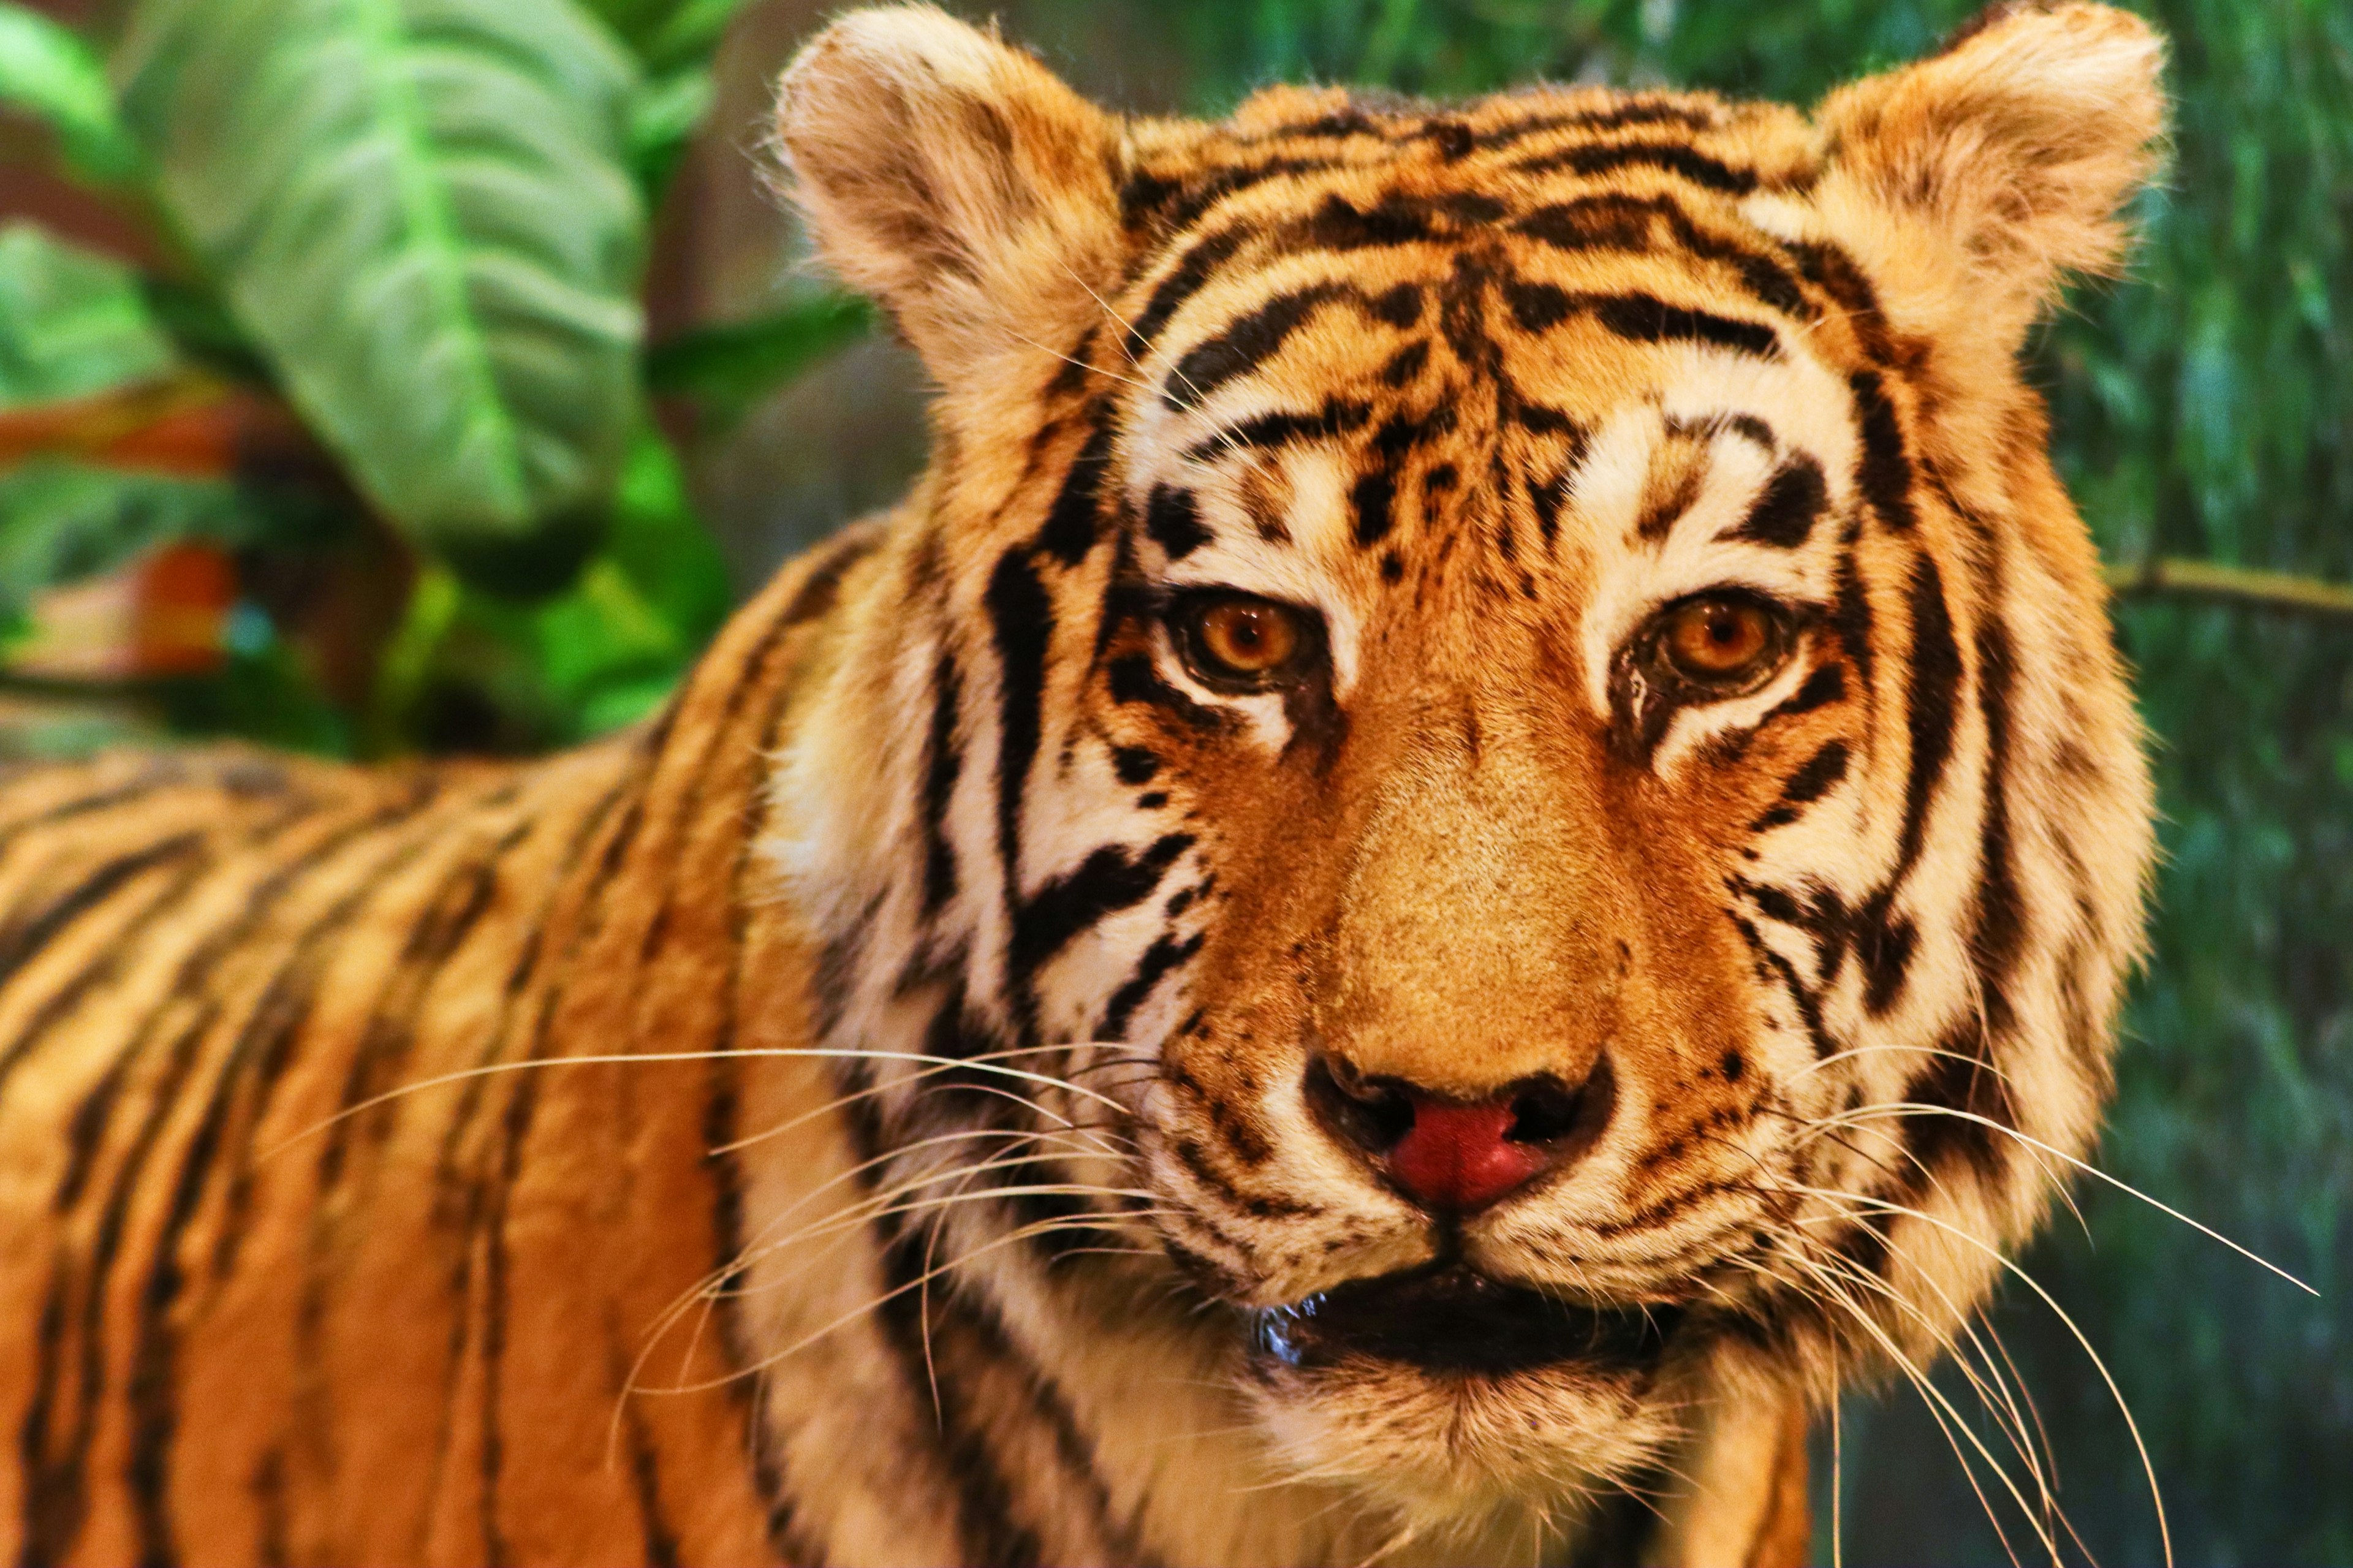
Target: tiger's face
1514	679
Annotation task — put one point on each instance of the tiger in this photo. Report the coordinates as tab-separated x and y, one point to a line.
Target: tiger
1476	837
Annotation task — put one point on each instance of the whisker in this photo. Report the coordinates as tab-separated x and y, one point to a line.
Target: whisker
620	1059
2123	1407
1909	1108
1021	1234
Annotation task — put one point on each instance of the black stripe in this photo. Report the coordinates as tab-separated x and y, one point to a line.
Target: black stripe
1999	932
1836	274
984	1496
1172	516
163	771
1959	1077
1132	678
55	1486
1821	771
1851	617
812	599
1884	470
1165	954
1074	522
1272	431
1645	319
1882	940
1372	499
1825	686
1538	307
1180	283
22	938
1638	318
1110	880
1685	162
943	762
1021	622
104	965
1660	513
1613	221
254	1062
1406	363
1245	345
1810	1007
1627	111
660	1536
1175	206
1793	502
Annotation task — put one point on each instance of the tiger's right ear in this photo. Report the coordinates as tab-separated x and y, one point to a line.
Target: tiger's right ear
958	181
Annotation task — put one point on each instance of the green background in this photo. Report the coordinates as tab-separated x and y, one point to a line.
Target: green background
2204	409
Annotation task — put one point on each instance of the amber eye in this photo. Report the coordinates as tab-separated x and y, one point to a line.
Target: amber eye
1236	638
1720	640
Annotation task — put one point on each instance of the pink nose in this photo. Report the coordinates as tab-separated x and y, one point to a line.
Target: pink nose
1457	1156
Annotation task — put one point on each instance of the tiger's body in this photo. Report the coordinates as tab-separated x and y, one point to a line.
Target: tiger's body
1477	832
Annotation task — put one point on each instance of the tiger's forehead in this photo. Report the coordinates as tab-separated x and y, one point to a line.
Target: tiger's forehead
1552	328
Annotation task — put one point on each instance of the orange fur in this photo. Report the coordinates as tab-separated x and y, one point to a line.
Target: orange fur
987	1206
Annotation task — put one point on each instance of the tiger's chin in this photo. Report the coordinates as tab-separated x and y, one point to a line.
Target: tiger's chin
1456	1395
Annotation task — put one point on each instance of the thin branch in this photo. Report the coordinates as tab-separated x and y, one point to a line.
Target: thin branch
2209	580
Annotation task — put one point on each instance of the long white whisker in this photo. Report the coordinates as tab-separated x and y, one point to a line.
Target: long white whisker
620	1059
1909	1107
2148	1469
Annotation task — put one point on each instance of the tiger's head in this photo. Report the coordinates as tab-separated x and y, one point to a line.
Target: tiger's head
1501	700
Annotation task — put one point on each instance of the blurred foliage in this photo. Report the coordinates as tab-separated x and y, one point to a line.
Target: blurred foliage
445	313
385	322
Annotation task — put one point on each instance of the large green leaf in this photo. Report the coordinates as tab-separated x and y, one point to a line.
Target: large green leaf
48	73
421	211
71	322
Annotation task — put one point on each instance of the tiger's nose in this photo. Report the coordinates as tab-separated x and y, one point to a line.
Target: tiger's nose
1453	1156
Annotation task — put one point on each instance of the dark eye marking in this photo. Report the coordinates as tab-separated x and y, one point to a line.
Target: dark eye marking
1173	518
1133	679
1793	502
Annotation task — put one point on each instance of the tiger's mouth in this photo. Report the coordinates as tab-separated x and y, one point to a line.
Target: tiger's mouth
1450	1317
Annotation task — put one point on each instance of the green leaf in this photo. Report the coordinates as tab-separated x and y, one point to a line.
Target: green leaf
669	33
691	31
71	322
662	548
421	210
728	368
61	521
664	117
48	73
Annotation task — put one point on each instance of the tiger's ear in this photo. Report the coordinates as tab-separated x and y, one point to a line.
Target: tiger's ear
958	181
1976	180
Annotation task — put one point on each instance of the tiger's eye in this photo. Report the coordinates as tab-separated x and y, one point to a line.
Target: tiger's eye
1246	638
1718	641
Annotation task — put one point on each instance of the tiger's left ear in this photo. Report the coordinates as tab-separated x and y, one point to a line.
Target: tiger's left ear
959	183
1974	181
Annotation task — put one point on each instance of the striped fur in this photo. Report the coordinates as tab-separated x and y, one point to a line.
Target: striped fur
977	949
